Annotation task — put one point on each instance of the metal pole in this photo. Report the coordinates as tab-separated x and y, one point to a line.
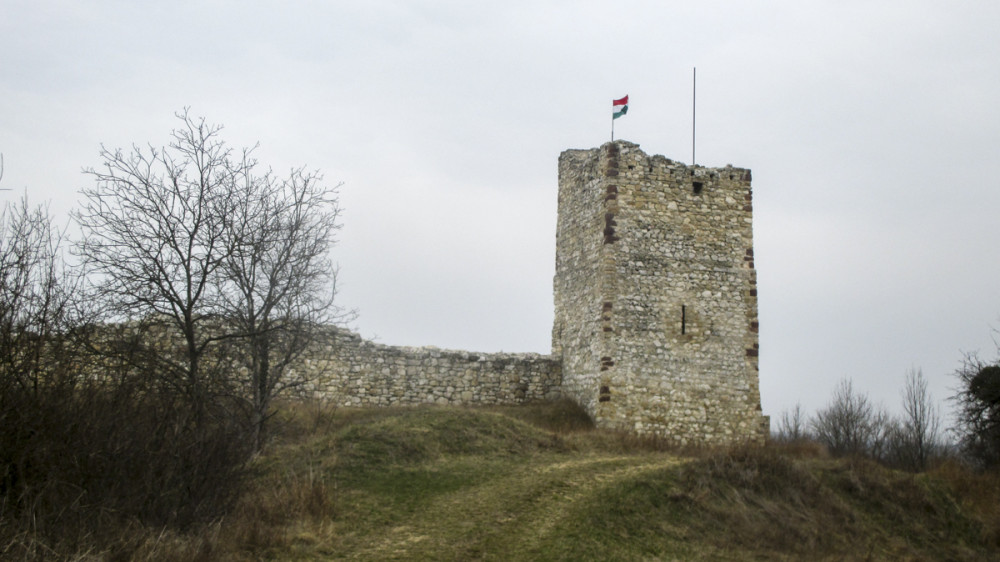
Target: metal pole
694	91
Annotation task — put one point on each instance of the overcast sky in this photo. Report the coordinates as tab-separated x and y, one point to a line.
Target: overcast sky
872	129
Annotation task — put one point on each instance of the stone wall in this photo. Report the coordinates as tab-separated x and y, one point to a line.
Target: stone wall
351	371
655	295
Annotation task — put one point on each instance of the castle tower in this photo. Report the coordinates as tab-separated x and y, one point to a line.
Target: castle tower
655	295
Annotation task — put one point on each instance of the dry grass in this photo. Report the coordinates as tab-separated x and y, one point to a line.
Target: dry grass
539	483
978	492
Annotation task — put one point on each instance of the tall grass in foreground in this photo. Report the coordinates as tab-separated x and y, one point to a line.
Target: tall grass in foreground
83	465
539	482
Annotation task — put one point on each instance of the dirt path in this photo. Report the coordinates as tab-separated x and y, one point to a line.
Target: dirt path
529	503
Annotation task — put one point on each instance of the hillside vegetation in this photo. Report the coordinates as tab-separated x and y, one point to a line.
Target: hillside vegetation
539	483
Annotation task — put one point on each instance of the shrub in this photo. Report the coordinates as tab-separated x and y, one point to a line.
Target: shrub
978	419
851	425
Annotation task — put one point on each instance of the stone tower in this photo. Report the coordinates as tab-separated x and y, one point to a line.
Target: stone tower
655	295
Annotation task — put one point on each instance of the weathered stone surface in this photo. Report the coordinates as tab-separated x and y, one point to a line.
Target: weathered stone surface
656	320
355	372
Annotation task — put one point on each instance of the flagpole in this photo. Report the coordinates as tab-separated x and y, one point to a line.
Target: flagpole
618	108
694	91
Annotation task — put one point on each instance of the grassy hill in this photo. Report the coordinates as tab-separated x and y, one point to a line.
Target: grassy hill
539	483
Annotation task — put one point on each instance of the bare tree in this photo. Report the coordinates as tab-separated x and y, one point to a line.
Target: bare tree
279	284
36	370
72	444
851	424
154	237
235	260
978	417
792	425
916	435
35	294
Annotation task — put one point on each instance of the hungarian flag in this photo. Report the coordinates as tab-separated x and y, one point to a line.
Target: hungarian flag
620	107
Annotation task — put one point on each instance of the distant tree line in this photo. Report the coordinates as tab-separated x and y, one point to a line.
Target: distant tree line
136	383
852	425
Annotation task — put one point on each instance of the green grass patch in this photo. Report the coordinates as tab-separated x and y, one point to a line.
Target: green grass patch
540	483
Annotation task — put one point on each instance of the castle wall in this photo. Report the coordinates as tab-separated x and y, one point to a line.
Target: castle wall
350	371
655	326
656	301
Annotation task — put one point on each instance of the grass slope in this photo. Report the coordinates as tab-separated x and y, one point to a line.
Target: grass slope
539	483
502	484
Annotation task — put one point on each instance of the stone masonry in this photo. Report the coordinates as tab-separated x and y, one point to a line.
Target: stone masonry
655	295
655	326
351	371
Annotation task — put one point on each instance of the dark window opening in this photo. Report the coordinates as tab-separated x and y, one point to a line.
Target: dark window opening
683	319
697	187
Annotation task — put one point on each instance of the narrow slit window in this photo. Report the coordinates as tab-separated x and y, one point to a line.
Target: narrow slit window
683	319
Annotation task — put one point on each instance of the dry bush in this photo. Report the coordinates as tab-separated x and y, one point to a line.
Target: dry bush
292	420
262	517
86	460
98	448
851	425
791	426
800	449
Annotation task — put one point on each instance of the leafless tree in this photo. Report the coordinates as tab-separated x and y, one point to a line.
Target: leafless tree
35	292
792	425
72	444
279	282
200	238
154	238
851	424
978	417
36	366
916	435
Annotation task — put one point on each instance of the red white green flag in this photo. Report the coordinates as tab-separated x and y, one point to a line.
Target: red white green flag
619	107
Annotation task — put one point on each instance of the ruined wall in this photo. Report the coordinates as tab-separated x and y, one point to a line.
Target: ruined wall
351	371
655	295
